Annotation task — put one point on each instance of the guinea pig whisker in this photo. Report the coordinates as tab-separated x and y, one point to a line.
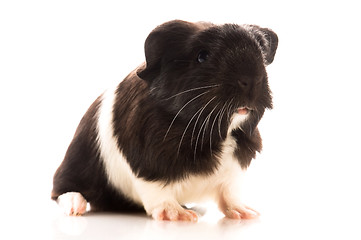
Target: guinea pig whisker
193	89
185	130
229	110
199	132
220	119
171	124
207	124
212	126
195	124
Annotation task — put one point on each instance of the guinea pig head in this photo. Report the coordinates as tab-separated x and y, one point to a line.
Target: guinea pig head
202	70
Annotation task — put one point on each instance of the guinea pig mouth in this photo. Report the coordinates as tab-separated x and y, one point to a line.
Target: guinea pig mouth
243	110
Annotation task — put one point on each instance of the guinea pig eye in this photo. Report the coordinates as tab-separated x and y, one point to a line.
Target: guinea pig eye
202	56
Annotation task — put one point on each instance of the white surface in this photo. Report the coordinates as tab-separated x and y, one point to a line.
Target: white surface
56	57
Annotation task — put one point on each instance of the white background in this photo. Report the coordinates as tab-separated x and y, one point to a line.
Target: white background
56	57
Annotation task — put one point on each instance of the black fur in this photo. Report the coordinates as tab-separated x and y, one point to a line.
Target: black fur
171	118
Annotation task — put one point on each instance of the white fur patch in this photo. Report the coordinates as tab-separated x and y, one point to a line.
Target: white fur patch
72	203
117	169
154	194
236	122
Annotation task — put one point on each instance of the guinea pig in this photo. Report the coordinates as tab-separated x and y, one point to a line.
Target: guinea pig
181	128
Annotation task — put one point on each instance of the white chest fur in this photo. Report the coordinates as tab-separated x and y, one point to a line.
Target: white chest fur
150	194
201	188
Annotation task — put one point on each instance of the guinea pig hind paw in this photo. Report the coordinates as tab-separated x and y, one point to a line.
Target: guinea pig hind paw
72	203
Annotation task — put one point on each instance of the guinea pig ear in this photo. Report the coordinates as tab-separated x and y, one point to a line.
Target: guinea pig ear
165	43
268	42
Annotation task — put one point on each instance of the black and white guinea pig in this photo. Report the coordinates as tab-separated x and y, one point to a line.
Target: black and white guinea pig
181	128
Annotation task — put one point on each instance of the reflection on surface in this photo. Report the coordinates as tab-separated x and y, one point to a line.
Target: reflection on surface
93	225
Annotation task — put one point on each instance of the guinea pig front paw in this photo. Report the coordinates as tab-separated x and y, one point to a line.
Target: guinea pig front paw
233	208
168	212
240	212
72	203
